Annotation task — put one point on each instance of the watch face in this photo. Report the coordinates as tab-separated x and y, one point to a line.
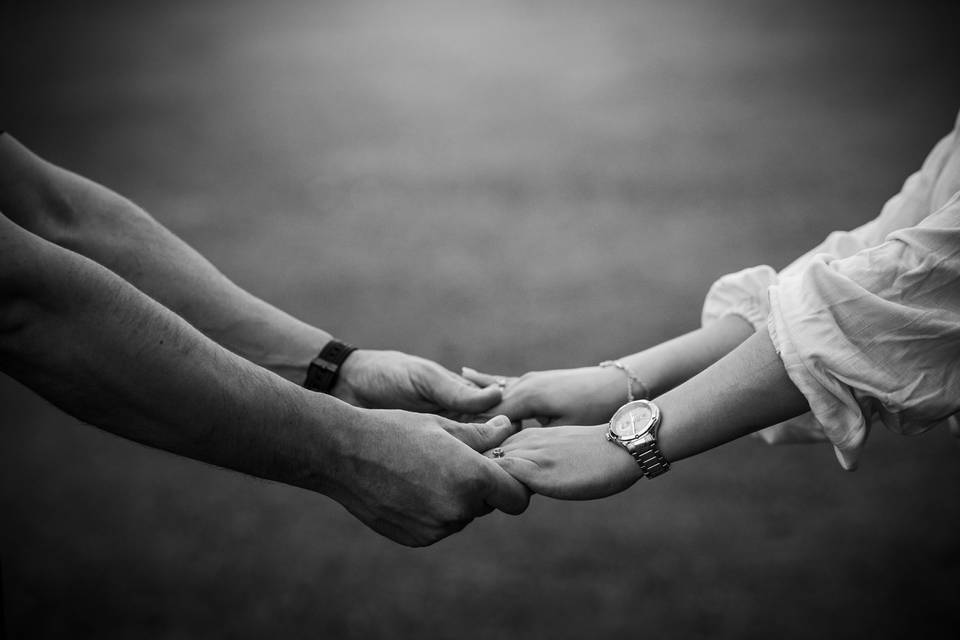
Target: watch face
633	420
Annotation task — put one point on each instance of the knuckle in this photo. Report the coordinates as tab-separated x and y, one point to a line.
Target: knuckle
477	430
450	426
462	431
470	433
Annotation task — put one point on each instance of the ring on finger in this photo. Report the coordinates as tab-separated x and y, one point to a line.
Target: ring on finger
498	452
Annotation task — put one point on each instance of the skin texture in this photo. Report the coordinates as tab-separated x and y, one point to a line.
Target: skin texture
561	396
569	463
100	349
90	219
391	379
744	391
417	479
590	395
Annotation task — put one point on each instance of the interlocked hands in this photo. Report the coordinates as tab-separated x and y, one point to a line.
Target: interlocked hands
416	479
566	462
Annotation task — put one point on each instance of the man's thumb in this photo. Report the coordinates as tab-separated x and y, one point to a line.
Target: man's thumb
507	493
487	435
459	395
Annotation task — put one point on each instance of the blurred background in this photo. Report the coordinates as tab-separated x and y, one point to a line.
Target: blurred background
511	186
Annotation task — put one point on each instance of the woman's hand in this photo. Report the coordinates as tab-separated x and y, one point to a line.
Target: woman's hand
568	463
588	395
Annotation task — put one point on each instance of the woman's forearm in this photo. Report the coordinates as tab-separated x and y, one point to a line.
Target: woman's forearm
746	390
589	395
664	366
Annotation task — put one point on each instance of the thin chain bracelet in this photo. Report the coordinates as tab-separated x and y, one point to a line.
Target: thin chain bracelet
632	379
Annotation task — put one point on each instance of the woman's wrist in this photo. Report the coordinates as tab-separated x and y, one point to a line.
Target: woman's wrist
635	387
608	391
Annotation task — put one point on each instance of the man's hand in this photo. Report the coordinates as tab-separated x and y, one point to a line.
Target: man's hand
416	478
109	229
569	463
588	395
82	337
393	380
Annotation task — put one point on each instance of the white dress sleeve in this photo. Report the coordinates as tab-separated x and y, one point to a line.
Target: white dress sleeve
876	334
746	293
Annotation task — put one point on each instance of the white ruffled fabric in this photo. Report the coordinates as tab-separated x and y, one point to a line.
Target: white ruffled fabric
868	322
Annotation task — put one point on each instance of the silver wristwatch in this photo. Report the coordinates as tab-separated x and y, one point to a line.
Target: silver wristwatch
634	427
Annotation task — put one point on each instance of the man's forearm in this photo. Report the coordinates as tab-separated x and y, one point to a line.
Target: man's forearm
105	352
109	355
93	221
75	213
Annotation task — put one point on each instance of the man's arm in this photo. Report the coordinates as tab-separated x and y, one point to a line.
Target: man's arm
91	220
104	352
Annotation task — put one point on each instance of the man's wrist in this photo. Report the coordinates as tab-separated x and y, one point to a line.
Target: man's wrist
285	350
354	377
334	427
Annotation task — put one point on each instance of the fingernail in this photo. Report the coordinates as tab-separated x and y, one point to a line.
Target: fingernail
466	370
500	421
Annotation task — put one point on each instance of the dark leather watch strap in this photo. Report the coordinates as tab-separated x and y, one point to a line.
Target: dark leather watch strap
324	370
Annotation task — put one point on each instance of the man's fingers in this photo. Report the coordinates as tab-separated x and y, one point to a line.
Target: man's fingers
484	436
506	492
482	379
457	394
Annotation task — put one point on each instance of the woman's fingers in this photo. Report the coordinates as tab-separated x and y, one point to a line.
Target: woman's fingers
516	400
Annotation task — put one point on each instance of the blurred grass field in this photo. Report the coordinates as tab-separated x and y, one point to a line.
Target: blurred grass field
512	186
